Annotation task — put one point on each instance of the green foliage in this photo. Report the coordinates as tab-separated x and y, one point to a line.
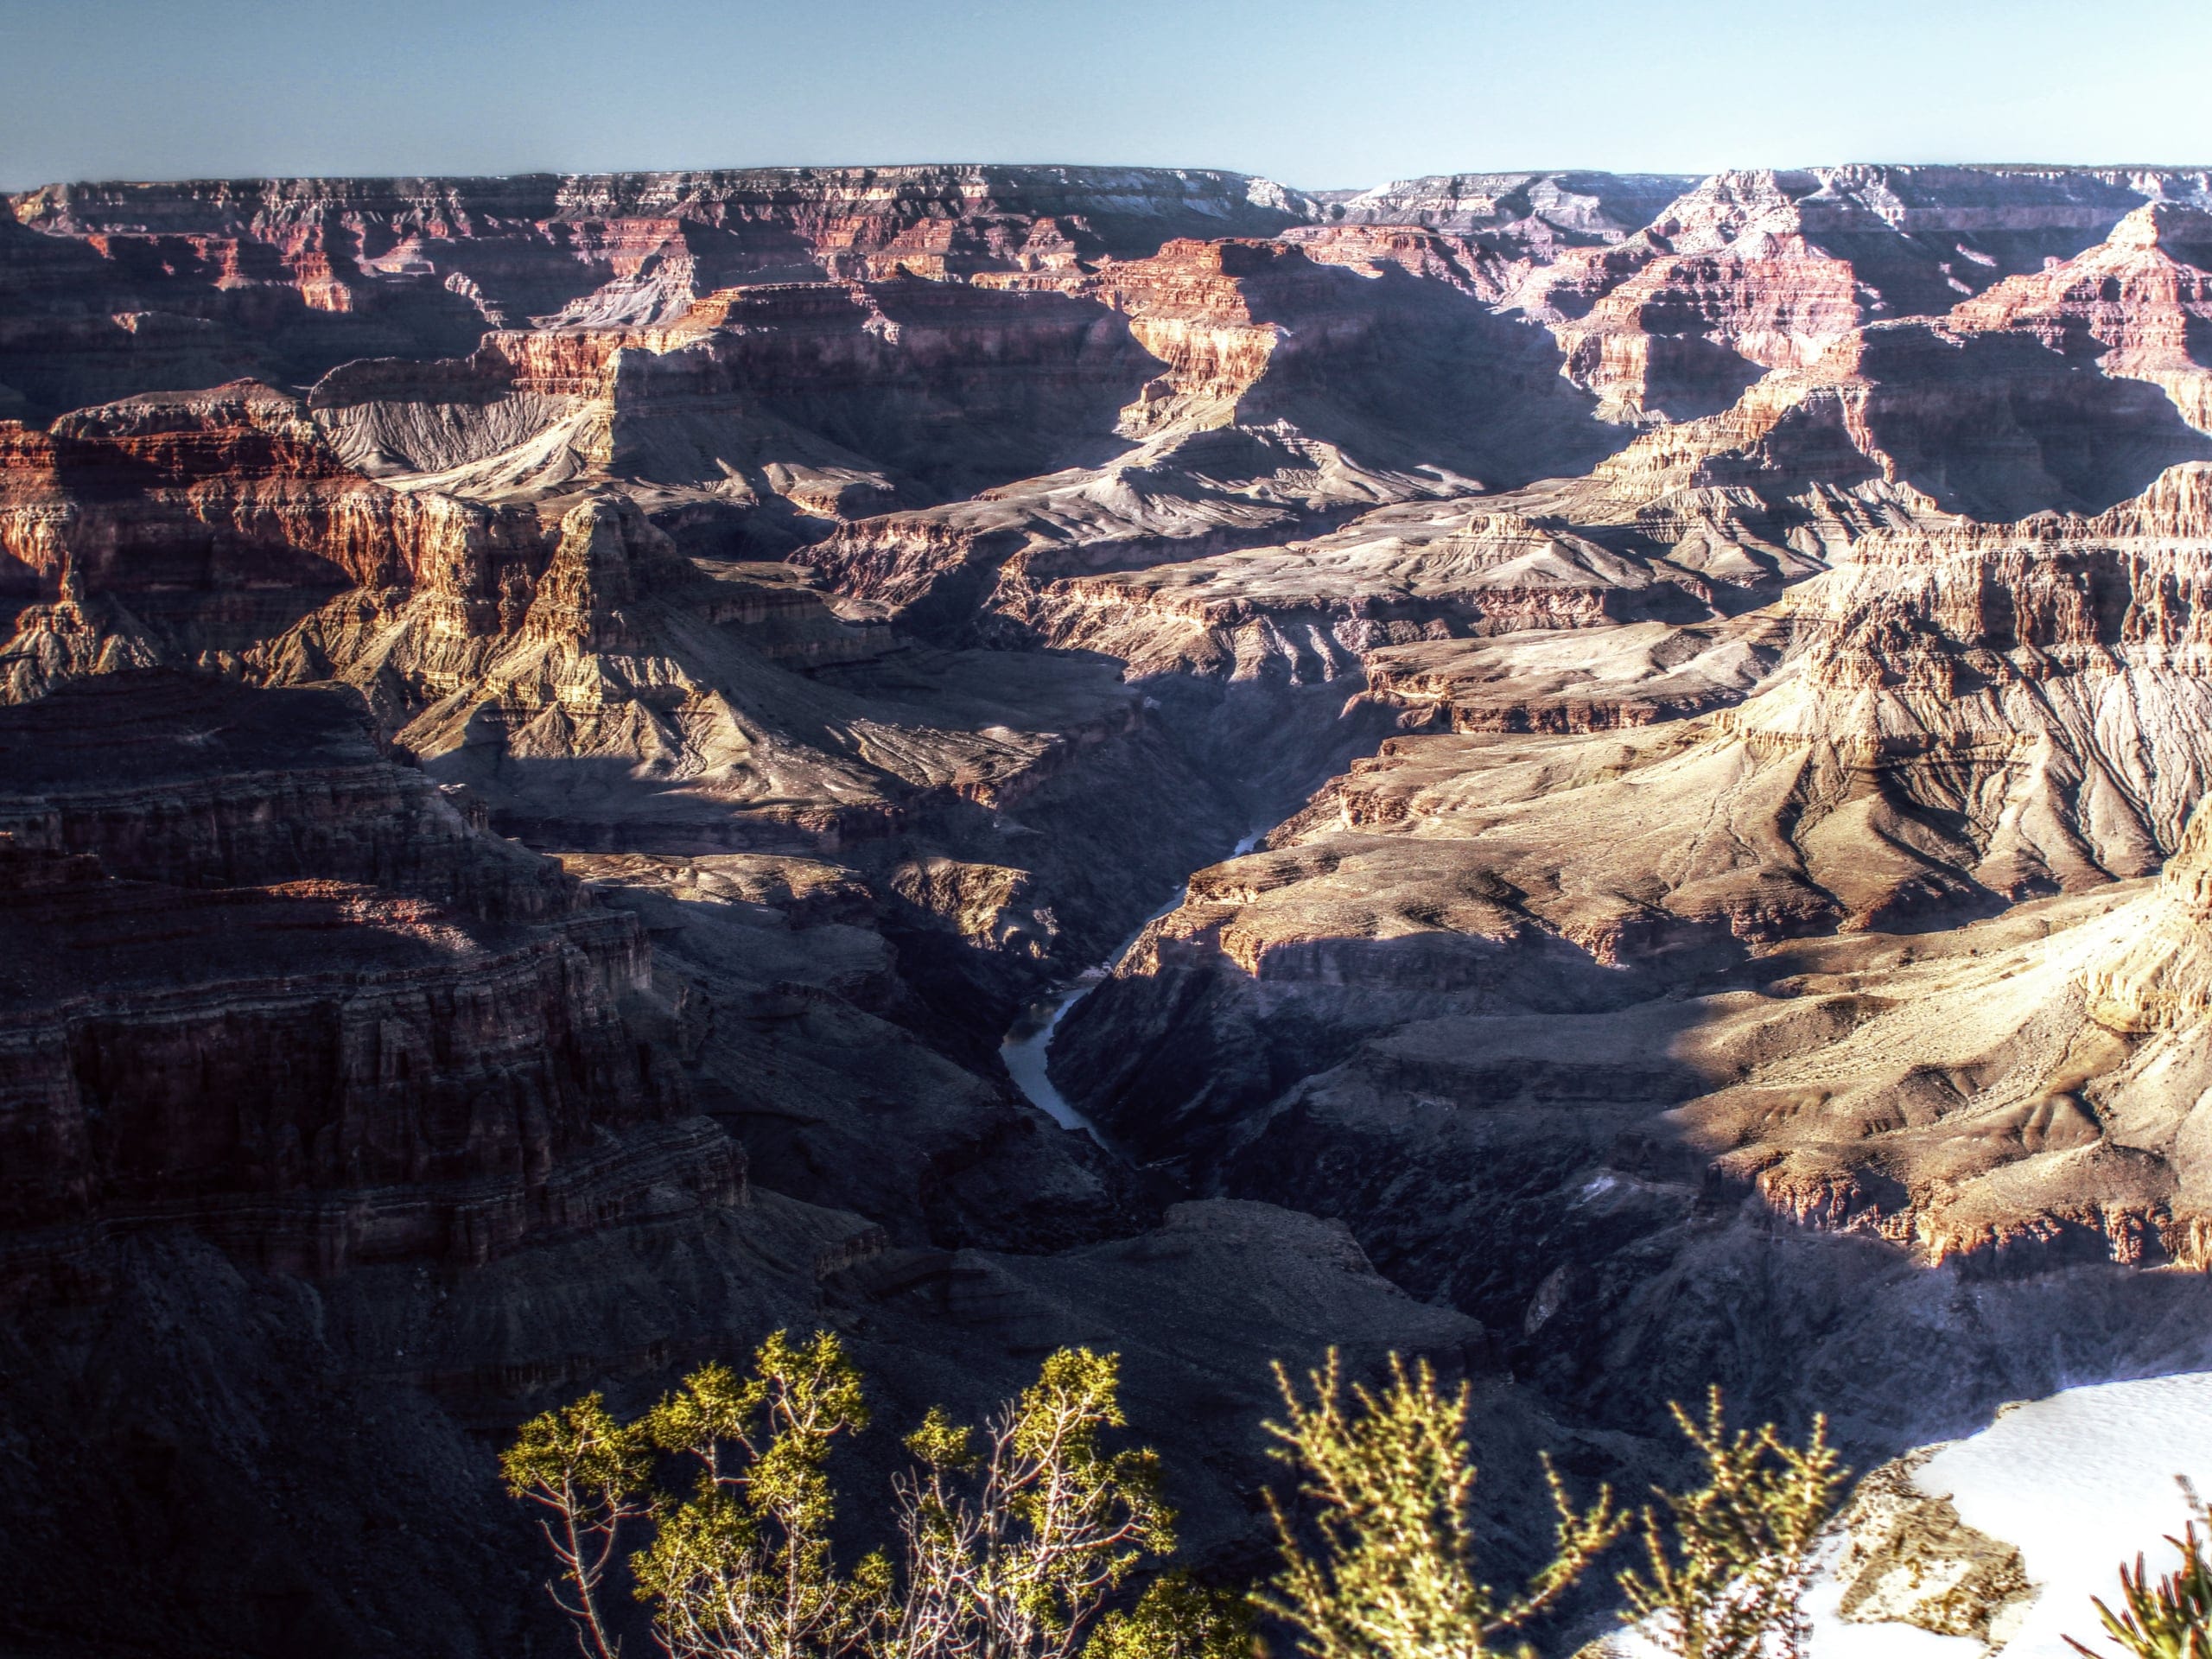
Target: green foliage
1387	1481
1729	1560
1176	1618
940	1443
590	1471
1015	1535
743	1565
2170	1618
1011	1546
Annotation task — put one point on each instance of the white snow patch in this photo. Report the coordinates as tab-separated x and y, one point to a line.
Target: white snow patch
1597	1187
2079	1483
1831	1638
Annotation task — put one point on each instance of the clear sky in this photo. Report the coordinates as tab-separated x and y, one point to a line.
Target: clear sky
1315	92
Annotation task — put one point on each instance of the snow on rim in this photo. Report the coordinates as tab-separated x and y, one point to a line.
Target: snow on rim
2079	1483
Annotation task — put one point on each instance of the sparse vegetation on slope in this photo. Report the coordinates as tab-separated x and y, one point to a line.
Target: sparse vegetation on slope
1014	1541
1729	1559
1011	1540
1384	1564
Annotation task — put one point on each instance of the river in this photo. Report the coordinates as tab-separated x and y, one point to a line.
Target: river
1029	1038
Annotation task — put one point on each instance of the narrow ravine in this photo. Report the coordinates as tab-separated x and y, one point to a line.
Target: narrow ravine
1029	1040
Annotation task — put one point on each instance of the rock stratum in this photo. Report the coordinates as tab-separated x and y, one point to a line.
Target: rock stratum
549	726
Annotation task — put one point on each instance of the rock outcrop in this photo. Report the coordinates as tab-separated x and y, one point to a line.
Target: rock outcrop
116	289
285	994
1755	271
1531	207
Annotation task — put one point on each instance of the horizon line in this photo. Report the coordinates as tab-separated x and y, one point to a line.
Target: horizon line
233	179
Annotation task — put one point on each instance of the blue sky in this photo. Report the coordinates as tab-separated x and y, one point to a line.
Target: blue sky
1315	92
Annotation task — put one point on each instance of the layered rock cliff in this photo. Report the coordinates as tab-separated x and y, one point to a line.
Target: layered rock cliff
286	995
115	289
1756	271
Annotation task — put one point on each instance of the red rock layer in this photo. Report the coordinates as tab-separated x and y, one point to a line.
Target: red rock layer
1762	270
234	488
313	1072
838	397
2138	305
166	287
